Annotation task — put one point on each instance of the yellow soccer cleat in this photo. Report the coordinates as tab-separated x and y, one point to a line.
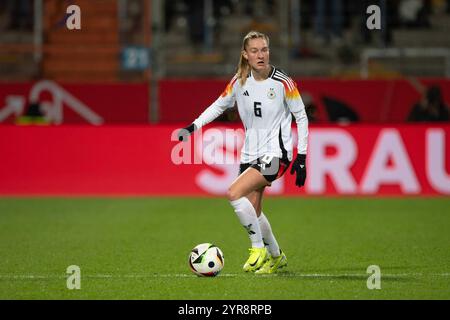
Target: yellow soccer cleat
257	258
273	264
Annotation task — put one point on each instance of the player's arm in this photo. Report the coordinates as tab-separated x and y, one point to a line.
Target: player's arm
297	108
225	101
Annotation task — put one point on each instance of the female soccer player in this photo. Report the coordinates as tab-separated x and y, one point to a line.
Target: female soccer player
265	98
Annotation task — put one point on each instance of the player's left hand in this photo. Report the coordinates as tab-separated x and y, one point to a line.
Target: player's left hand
299	167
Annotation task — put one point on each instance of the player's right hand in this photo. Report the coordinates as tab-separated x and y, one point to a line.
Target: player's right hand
184	133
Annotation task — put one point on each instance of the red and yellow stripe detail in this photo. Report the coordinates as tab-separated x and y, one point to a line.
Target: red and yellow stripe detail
229	87
290	89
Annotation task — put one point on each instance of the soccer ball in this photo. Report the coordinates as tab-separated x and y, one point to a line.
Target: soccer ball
206	260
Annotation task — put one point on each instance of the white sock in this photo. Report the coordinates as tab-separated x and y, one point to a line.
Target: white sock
267	235
247	216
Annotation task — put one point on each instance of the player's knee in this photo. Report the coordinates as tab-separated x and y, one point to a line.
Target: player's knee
233	195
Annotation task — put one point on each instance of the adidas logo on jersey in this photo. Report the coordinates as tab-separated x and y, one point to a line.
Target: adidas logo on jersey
246	93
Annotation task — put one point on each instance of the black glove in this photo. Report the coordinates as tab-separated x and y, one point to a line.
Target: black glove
299	167
184	133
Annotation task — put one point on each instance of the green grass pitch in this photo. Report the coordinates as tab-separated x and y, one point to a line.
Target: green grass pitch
137	248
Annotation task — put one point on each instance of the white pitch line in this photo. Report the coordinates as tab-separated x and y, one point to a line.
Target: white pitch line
229	275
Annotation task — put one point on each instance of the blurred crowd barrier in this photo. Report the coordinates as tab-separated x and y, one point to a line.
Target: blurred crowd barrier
181	101
47	102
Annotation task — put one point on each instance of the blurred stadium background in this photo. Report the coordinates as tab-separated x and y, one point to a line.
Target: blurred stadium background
92	112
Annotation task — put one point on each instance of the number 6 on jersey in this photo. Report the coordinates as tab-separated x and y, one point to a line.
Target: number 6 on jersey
257	110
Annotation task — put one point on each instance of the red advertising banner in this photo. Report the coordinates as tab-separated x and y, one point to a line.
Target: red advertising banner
182	100
76	103
373	101
148	160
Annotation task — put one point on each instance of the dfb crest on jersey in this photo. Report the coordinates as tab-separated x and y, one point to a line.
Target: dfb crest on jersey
271	93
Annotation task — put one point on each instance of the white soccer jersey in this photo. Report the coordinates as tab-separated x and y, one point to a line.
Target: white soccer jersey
265	109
